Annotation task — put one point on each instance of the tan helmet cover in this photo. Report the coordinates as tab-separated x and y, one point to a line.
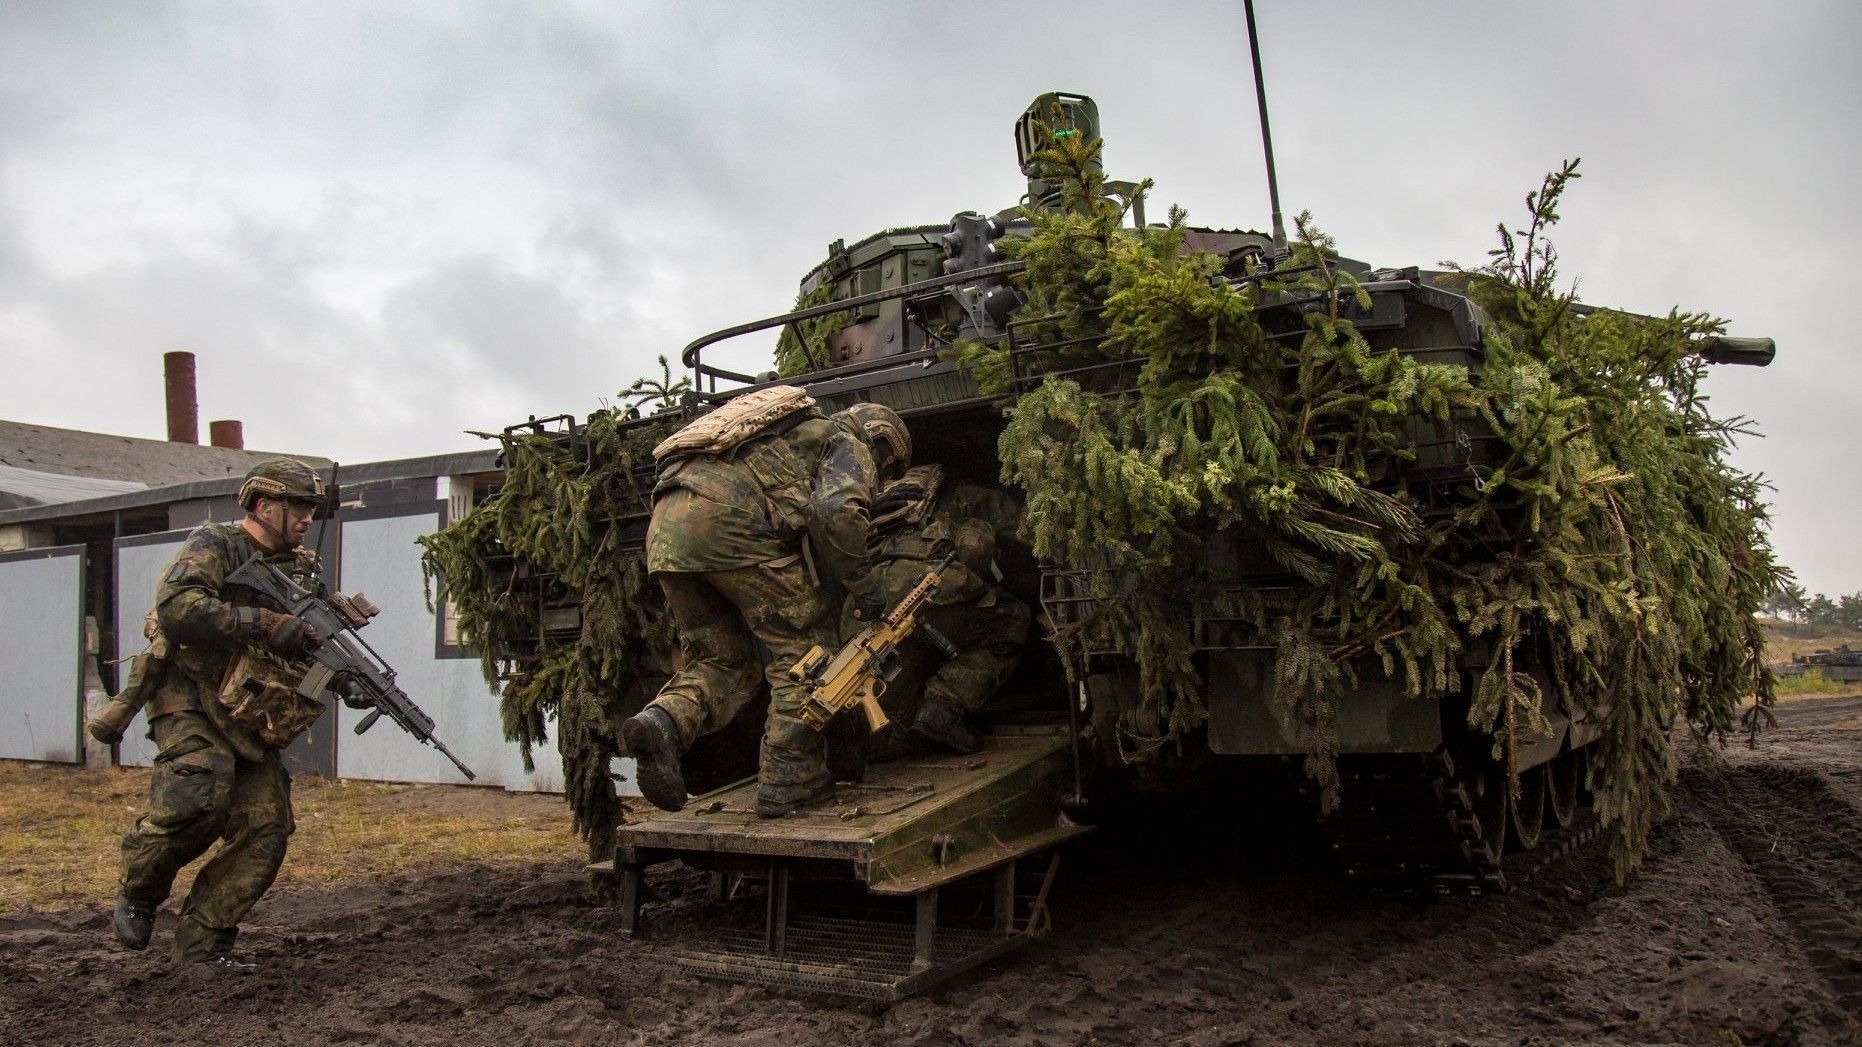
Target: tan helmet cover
282	478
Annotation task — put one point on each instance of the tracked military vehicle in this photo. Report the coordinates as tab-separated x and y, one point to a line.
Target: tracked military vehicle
933	864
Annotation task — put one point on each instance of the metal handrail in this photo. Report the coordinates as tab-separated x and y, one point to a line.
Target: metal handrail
690	358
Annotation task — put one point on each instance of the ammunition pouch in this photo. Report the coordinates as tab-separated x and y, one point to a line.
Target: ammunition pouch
259	693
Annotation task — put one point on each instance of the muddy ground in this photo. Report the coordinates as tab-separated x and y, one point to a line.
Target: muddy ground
1745	926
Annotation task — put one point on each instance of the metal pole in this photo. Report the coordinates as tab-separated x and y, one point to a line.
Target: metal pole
1267	137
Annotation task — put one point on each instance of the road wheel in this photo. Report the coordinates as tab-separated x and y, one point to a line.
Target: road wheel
1487	790
1561	789
1526	811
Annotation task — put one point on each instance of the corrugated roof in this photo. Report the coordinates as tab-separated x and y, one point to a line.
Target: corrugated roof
459	463
103	456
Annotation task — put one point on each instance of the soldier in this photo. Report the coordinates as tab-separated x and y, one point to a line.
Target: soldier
214	777
917	521
759	522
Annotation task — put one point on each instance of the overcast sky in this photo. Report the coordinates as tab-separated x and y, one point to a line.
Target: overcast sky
381	224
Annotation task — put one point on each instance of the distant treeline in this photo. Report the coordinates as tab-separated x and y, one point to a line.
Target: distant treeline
1793	604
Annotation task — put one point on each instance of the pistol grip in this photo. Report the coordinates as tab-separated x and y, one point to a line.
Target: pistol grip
869	704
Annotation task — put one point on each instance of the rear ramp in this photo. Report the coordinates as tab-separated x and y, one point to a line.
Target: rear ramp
933	865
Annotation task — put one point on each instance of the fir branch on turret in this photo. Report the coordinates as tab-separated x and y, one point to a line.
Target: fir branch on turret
1610	561
560	512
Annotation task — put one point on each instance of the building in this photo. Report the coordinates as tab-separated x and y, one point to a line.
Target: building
95	558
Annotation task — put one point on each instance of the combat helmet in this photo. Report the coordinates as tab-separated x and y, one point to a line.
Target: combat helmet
284	478
882	424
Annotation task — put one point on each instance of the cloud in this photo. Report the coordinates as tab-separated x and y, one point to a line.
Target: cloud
437	216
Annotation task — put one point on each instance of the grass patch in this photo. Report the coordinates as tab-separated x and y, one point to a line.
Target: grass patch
1813	684
61	829
1786	640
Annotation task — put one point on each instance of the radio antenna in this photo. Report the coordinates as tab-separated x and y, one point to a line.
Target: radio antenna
1267	137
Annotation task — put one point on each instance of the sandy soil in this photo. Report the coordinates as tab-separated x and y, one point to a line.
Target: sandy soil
1744	927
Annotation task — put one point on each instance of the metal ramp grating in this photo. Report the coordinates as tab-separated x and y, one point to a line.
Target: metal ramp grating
871	959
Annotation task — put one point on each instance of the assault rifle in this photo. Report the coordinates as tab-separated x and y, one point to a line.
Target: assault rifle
857	674
343	663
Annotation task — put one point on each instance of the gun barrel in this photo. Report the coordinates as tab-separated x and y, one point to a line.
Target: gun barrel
1747	352
463	769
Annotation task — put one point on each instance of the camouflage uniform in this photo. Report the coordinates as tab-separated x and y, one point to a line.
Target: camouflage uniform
986	624
213	779
726	545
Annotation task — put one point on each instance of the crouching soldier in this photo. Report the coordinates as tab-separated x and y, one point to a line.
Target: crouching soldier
759	521
917	521
218	775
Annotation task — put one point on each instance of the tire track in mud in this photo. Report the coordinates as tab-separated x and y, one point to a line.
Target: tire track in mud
1804	843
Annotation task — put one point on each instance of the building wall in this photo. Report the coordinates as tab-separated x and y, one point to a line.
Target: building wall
369	547
381	559
139	561
41	668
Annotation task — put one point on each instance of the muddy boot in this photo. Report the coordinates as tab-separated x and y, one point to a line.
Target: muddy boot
793	772
134	922
652	739
944	725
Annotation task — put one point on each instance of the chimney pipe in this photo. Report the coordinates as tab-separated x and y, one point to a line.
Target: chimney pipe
183	410
227	432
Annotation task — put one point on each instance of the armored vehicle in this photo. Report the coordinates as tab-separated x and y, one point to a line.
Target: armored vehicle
1841	664
1424	803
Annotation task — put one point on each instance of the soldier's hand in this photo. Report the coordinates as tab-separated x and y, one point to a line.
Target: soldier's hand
289	635
896	496
353	695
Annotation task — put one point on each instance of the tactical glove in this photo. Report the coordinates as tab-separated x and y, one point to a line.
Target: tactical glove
896	496
353	694
287	634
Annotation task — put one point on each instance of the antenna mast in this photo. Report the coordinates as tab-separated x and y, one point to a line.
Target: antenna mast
1267	137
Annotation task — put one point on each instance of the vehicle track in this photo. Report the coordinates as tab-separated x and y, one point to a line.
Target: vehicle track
1804	843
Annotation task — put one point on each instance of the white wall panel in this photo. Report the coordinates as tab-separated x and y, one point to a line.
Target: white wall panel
380	558
139	562
41	681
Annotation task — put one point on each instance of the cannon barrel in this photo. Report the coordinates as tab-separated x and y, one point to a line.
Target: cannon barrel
1750	352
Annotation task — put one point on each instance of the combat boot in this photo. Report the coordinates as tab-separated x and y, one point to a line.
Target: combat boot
940	723
792	772
133	922
652	739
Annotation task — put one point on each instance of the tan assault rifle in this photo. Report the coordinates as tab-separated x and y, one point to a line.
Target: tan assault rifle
857	674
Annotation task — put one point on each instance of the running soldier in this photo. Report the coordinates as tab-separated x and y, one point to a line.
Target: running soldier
218	777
